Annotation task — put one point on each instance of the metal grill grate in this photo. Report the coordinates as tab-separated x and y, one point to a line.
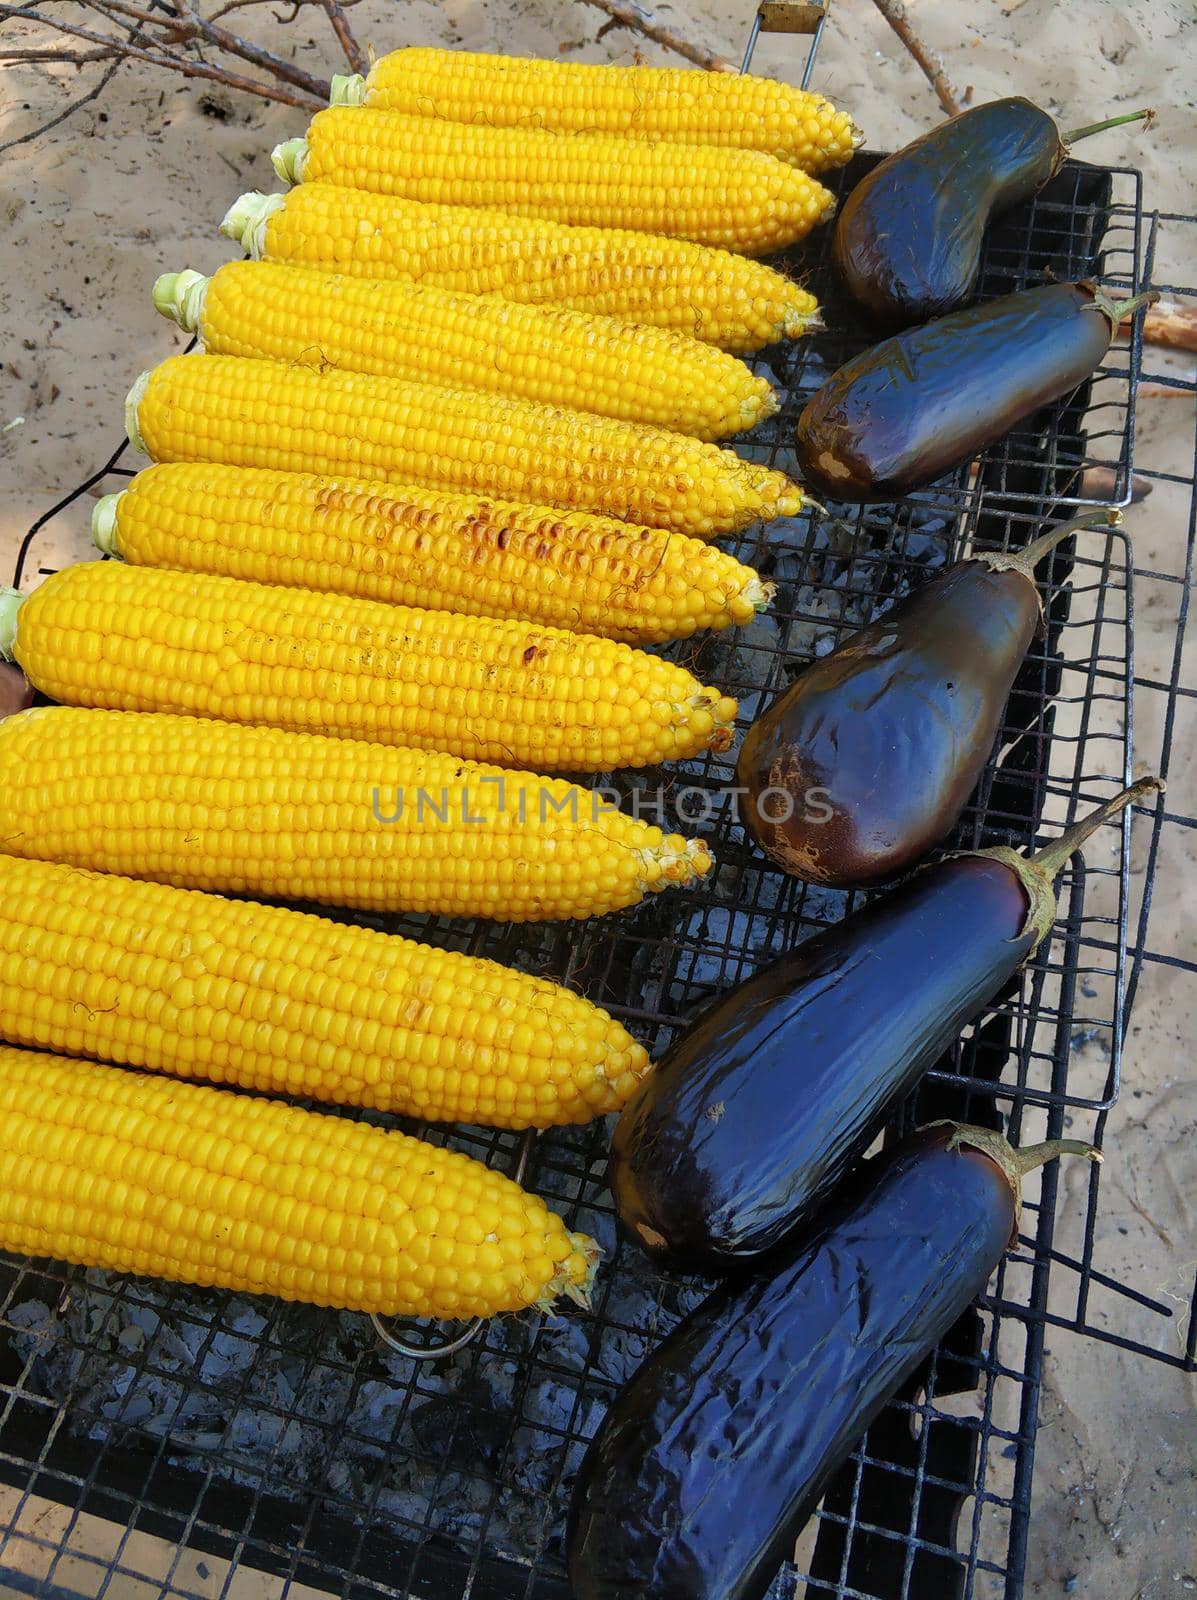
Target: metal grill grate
1095	1301
287	1439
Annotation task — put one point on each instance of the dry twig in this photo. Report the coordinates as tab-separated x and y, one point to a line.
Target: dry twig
177	36
1163	391
186	25
237	5
340	26
1101	483
894	13
1172	324
65	57
189	66
636	17
75	105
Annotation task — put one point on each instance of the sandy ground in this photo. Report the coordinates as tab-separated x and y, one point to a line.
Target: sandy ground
135	183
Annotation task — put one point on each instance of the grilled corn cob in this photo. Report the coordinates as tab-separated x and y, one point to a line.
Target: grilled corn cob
713	295
679	104
738	199
423	547
263	414
106	1168
122	638
261	997
409	330
294	816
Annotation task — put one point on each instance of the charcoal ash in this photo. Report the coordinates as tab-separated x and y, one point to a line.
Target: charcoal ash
307	1405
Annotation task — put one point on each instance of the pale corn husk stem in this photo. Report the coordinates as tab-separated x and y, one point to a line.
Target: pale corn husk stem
289	159
180	296
347	89
132	405
10	605
245	221
104	520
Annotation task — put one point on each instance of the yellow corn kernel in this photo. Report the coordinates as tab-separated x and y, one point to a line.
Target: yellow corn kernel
426	547
264	414
724	299
680	104
740	200
295	816
123	638
261	997
105	1168
416	331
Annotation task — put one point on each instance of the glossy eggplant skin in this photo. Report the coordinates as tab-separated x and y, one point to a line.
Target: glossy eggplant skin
893	729
908	240
756	1113
925	401
720	1447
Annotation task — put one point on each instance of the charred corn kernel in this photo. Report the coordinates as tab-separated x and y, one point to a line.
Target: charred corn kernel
410	330
715	296
738	199
123	638
264	414
295	816
260	997
423	547
680	104
105	1168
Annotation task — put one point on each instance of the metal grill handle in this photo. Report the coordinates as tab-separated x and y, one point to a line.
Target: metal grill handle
789	16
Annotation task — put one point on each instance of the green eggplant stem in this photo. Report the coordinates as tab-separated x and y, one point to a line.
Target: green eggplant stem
1146	114
1028	558
1032	554
1014	1163
1117	311
1037	874
1032	1156
1127	308
1051	859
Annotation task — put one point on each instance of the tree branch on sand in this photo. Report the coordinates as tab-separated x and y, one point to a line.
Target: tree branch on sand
68	111
176	36
1172	323
932	65
626	14
340	26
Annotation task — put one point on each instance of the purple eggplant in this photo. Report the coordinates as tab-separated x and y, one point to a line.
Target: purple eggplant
747	1124
892	730
721	1446
908	240
928	400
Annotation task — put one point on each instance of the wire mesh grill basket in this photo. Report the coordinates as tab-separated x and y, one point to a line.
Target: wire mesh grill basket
294	1441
